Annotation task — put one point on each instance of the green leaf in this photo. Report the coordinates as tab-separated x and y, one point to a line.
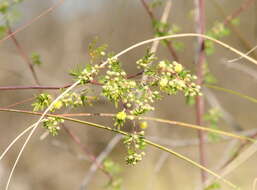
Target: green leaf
155	3
212	117
17	1
36	59
3	31
235	21
190	100
209	47
209	78
97	52
179	46
214	186
4	6
42	101
160	26
112	167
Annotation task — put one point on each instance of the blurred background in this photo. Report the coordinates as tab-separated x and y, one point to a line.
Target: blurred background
62	38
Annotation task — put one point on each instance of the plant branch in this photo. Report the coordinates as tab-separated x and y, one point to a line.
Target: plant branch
191	161
254	100
194	141
237	32
143	43
44	13
34	87
182	124
200	28
57	87
238	151
214	102
23	54
35	126
241	158
100	159
153	19
254	184
154	145
182	36
87	152
19	102
101	66
245	5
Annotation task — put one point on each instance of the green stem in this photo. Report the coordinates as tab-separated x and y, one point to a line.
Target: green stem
180	156
254	100
147	142
182	124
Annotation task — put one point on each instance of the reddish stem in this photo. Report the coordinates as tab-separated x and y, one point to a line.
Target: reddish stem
44	13
23	55
168	43
200	79
88	153
238	151
238	11
33	87
57	87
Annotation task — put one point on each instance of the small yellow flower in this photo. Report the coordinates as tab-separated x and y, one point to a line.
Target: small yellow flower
163	82
121	116
162	64
143	125
178	67
58	105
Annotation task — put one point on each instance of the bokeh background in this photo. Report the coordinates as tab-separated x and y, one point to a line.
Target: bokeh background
62	38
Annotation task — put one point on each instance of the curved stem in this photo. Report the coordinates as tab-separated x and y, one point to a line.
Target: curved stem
183	36
14	141
180	156
182	124
35	126
254	100
116	56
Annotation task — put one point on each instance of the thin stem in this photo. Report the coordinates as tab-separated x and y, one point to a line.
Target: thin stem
15	140
254	100
200	22
238	151
20	102
191	162
34	87
153	19
246	4
182	124
57	87
247	45
23	54
103	64
182	36
147	142
143	43
111	144
214	103
34	129
241	158
44	13
88	153
247	53
254	184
